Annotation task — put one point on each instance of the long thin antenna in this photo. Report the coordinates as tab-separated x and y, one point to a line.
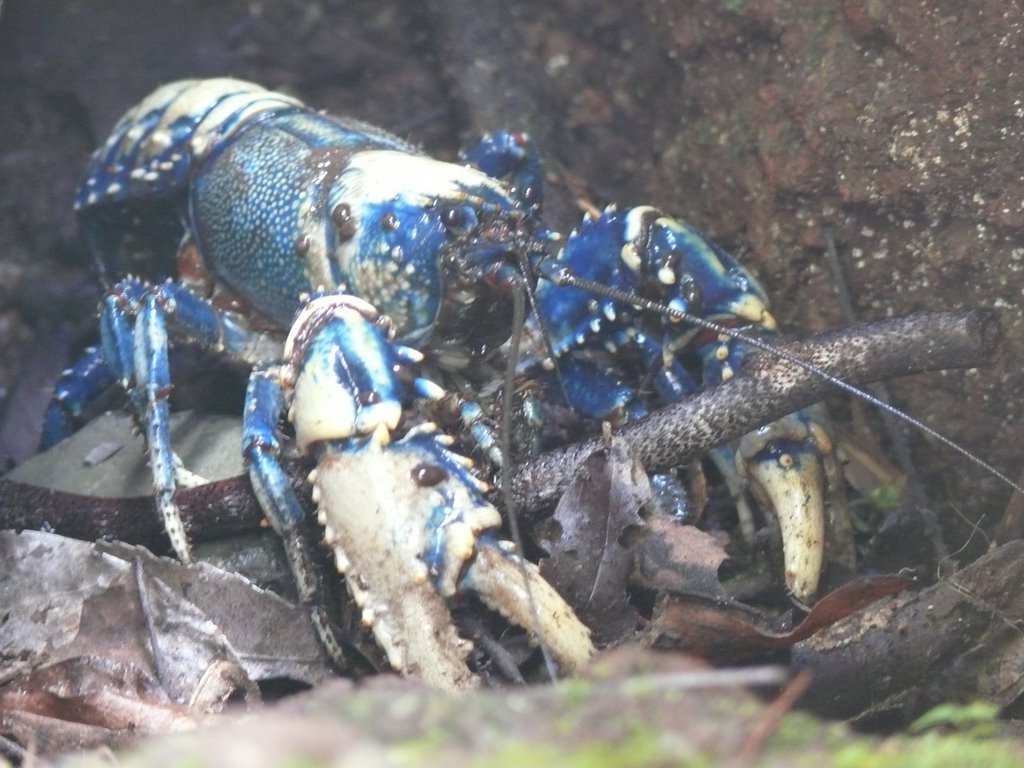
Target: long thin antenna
526	269
518	321
565	278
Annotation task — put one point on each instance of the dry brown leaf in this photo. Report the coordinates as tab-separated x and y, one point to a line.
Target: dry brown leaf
590	542
730	631
679	558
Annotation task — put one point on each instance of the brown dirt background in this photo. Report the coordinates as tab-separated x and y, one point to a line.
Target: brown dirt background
897	124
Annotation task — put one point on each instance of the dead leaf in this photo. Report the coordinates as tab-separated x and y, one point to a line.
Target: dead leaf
198	634
70	598
87	701
591	553
731	632
679	558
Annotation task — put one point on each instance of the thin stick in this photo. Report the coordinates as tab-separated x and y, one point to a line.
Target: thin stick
770	718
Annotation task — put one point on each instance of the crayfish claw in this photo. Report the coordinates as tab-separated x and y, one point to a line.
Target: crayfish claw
514	587
790	467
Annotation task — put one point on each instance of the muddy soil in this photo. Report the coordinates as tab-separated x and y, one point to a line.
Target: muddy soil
760	122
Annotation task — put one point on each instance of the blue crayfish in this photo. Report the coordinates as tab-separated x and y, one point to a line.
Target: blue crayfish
350	272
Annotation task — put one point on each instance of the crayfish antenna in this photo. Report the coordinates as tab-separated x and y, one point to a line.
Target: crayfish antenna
505	471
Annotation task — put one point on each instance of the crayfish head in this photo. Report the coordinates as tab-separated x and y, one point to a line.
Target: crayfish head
435	246
482	271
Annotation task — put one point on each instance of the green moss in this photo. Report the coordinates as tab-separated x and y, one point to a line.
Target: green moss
978	717
823	744
636	751
798	730
302	761
575	693
422	750
930	751
886	496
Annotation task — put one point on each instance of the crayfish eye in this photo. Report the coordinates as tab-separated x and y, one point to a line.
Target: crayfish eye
692	293
458	219
343	220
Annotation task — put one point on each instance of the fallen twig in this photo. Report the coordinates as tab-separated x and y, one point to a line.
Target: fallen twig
770	718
